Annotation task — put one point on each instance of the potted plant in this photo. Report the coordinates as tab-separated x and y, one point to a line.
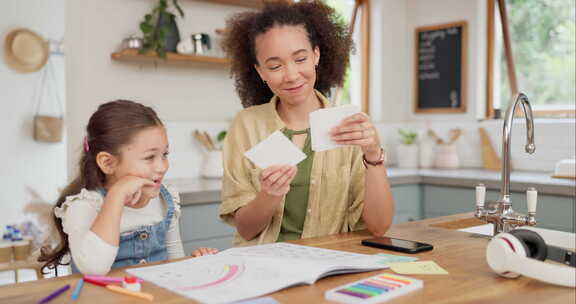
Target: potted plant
159	29
220	138
407	150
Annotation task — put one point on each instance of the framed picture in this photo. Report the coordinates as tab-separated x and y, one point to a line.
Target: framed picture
440	62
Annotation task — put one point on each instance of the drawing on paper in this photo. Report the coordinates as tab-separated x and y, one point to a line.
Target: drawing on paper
224	275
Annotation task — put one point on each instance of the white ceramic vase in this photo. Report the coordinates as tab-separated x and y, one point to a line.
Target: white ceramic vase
427	152
212	167
407	156
446	157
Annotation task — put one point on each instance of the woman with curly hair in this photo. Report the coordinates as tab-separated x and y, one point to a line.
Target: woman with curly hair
285	58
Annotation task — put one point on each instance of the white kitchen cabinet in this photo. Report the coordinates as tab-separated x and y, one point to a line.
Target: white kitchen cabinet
408	200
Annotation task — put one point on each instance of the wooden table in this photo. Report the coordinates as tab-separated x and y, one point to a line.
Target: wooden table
470	280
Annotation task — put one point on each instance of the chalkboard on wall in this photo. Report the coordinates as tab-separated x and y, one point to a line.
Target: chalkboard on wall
440	62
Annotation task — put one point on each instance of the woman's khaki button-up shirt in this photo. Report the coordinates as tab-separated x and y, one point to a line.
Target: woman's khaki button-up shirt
336	194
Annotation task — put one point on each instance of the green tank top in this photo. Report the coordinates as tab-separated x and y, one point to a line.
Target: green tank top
296	202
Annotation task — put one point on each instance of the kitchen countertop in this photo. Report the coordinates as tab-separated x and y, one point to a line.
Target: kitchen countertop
203	190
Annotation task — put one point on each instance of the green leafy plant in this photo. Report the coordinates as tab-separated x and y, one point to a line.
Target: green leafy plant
408	136
220	138
154	34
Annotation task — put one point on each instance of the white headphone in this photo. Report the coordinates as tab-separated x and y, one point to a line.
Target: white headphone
523	251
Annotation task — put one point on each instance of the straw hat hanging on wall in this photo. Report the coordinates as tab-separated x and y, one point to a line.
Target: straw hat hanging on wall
25	51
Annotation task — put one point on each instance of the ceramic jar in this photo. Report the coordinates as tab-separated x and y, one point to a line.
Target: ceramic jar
213	167
446	157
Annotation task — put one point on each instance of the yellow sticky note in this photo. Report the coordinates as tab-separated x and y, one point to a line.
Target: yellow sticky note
420	267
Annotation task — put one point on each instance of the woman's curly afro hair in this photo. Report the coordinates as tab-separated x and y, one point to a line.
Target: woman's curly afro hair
326	30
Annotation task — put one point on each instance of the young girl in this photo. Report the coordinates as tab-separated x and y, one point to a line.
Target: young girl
117	212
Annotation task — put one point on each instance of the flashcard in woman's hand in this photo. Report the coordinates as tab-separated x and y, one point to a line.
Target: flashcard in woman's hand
277	149
322	121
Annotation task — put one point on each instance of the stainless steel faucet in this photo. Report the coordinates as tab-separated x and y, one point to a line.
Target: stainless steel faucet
500	212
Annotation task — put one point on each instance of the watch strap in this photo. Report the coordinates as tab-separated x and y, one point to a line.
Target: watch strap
379	162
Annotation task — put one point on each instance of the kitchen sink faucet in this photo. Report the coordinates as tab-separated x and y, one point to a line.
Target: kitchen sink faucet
500	212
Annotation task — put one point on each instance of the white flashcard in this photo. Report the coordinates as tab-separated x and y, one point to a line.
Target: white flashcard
277	149
323	120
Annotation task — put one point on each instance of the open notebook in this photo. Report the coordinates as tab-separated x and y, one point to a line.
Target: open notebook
246	272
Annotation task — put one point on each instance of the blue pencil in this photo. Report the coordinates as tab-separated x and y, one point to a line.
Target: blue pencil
76	292
54	294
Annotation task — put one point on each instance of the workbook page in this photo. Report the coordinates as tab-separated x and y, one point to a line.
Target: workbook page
241	273
222	279
324	262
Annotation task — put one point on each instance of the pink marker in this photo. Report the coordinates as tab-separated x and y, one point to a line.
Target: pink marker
106	279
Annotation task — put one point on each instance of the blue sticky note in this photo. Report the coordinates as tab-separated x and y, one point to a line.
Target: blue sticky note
392	258
262	300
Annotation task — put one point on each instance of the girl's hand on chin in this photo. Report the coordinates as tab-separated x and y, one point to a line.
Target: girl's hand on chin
129	190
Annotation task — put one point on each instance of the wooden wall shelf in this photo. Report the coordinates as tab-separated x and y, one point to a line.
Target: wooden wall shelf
133	56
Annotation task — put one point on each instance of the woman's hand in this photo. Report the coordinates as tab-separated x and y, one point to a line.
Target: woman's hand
204	251
252	218
129	190
358	130
275	180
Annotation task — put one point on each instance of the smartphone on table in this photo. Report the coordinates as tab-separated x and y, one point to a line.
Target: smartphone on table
389	243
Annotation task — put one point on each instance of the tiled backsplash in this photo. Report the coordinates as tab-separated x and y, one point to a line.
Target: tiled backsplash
555	140
187	154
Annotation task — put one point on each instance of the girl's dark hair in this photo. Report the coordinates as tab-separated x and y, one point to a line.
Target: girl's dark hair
326	30
112	126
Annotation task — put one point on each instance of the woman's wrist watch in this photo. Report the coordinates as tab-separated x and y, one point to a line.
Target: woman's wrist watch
379	162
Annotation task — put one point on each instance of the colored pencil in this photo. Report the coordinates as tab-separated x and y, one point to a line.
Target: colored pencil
54	294
76	292
95	282
141	295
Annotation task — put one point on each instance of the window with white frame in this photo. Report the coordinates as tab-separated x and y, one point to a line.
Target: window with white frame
542	35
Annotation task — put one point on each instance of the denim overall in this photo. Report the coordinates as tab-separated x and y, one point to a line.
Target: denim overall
145	243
